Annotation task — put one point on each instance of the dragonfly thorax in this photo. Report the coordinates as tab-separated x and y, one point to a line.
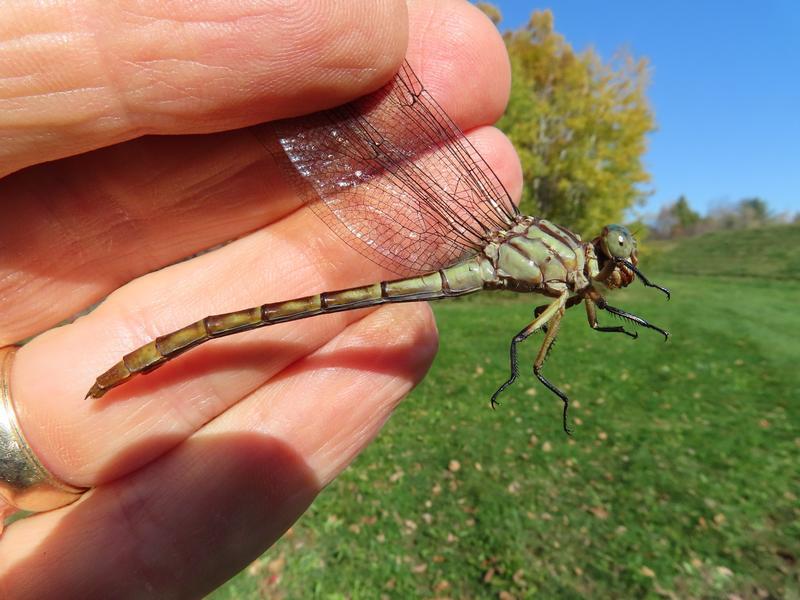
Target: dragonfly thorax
538	256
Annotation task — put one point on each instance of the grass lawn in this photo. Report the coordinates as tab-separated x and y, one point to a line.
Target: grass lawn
681	479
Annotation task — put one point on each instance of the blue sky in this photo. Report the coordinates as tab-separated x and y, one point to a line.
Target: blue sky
725	89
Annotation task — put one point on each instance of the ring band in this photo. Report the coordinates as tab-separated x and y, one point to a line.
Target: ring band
24	482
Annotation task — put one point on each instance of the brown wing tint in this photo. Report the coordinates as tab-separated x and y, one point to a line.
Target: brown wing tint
395	178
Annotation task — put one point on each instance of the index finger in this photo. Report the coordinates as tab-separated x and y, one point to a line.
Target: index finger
78	76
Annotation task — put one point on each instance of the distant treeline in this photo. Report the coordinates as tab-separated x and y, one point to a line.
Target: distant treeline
678	219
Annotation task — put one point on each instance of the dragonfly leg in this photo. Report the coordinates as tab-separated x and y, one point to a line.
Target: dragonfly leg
591	314
546	314
537	312
645	280
573	301
544	351
603	305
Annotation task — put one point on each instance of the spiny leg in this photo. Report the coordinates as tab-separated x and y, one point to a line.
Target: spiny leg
591	314
632	318
644	280
546	314
553	327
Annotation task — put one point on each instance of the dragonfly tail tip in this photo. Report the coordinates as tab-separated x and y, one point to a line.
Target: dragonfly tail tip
95	392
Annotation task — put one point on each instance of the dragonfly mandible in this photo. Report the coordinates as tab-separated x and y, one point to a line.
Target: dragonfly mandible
399	182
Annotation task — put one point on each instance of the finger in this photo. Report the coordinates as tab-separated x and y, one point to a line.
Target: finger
461	59
295	257
234	486
120	212
103	73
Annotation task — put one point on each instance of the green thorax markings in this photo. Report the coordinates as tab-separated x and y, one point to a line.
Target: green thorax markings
538	256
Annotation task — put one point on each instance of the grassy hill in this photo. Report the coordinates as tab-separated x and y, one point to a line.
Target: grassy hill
772	252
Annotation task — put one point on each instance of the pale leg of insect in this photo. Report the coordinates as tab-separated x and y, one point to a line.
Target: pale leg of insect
573	301
552	331
553	309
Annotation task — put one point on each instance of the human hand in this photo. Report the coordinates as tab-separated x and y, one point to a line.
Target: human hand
197	468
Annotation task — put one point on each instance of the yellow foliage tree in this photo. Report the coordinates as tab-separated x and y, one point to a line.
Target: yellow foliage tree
579	126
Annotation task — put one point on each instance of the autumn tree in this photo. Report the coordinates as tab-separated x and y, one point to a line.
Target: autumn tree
579	126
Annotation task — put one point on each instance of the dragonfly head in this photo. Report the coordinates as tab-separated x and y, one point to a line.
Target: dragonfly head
615	249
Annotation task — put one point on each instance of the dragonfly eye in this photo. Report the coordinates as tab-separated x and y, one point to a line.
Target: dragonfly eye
618	241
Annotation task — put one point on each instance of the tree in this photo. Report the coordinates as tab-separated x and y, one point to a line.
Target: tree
579	127
686	218
677	219
754	211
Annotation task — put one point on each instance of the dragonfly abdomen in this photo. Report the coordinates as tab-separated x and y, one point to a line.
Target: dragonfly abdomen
463	278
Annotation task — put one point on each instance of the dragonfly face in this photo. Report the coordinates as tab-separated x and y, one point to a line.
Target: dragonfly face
615	249
615	252
617	242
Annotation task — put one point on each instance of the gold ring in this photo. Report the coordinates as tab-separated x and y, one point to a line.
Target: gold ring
24	481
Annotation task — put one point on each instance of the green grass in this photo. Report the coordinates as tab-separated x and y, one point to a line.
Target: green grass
681	479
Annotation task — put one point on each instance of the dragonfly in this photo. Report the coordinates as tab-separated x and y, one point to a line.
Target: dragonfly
395	178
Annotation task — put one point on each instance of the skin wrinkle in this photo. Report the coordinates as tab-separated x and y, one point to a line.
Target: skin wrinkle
309	44
15	128
38	42
123	216
191	197
207	407
68	242
66	41
192	416
57	94
338	445
165	10
123	92
200	190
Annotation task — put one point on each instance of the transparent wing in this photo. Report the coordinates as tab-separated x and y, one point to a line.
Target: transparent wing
395	178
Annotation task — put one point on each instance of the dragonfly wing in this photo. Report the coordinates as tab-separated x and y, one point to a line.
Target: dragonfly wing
395	178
